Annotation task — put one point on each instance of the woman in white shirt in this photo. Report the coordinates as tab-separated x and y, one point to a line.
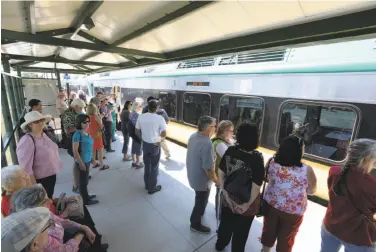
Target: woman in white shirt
221	142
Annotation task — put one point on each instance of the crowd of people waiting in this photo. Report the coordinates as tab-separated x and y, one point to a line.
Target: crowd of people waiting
237	169
28	188
232	163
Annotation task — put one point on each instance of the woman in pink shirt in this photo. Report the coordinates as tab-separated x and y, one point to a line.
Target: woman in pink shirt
37	154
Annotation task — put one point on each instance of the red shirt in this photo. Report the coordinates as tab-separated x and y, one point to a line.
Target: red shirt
6	204
342	219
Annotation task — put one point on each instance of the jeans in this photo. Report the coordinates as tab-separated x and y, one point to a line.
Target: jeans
126	141
108	134
49	184
201	201
152	154
235	227
83	179
330	243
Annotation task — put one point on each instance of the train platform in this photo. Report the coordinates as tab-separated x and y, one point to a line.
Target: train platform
133	221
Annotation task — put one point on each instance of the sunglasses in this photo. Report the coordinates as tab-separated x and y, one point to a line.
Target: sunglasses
86	122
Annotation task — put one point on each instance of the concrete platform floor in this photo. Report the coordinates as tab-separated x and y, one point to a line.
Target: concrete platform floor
133	221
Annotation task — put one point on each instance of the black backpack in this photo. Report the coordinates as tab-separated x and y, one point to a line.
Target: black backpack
238	183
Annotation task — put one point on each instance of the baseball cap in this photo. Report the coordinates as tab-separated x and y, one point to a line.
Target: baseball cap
19	229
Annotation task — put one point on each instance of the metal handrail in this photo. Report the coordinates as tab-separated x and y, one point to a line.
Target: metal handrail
7	138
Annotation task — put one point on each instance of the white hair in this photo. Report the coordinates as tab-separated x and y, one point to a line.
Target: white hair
9	175
135	105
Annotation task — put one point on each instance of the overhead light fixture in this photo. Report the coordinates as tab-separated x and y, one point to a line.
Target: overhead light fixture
87	24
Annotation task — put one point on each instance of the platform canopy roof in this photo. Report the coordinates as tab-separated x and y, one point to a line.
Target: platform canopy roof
97	36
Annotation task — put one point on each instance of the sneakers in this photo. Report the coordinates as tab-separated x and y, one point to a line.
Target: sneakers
92	196
201	229
110	150
127	159
138	166
156	189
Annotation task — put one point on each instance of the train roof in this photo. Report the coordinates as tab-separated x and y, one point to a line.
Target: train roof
354	56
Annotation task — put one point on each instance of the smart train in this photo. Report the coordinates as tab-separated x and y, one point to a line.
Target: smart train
331	88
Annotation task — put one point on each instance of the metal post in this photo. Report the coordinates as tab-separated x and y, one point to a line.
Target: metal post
3	156
14	91
68	90
20	90
8	120
57	72
22	94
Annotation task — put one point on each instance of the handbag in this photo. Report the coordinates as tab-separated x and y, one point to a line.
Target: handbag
261	212
70	207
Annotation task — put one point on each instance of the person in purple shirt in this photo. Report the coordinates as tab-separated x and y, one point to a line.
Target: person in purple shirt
107	122
37	154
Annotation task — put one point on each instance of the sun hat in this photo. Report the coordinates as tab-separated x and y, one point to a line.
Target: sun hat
19	229
78	102
33	116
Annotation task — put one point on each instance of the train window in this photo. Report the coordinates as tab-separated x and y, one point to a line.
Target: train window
240	109
195	105
168	103
326	129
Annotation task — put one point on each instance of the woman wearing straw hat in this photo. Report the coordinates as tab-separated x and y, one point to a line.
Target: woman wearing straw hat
37	154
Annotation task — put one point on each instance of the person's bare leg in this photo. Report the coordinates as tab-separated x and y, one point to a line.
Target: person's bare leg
134	158
94	160
100	156
137	160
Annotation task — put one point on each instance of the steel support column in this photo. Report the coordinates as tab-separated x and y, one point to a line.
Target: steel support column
21	87
57	73
3	157
9	138
16	91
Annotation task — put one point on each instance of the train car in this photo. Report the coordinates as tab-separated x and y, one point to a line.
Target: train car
336	98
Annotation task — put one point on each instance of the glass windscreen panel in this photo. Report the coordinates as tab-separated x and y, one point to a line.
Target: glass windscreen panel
195	105
239	109
326	130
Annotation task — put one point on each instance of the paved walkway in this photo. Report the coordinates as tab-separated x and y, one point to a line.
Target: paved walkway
133	221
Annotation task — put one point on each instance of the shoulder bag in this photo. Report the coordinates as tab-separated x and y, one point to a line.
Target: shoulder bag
261	212
70	207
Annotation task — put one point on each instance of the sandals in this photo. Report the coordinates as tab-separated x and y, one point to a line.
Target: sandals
96	166
104	167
